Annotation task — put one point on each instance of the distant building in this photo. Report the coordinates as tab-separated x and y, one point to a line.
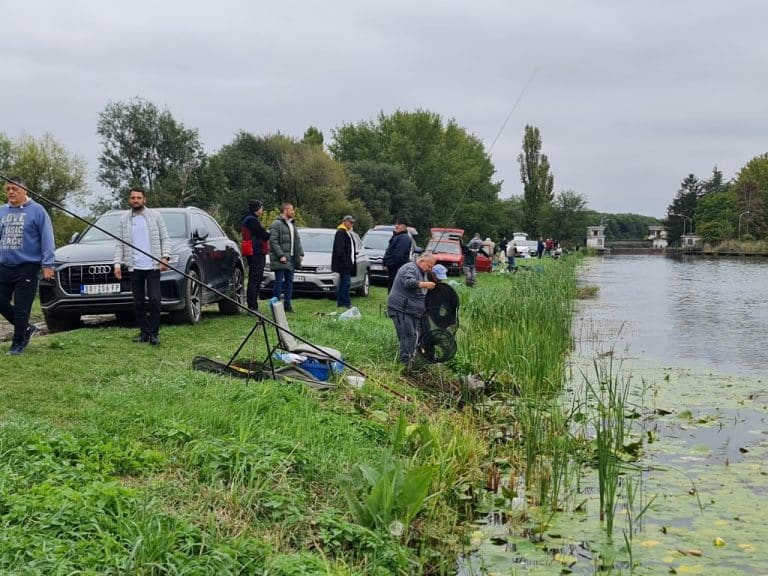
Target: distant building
690	240
596	237
658	236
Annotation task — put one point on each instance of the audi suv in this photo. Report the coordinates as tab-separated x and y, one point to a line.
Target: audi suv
84	281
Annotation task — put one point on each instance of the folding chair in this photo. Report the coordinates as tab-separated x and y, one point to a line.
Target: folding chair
287	342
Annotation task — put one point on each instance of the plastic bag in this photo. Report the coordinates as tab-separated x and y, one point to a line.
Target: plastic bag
289	357
351	314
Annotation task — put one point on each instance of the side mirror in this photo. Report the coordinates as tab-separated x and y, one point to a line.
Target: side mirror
417	250
74	237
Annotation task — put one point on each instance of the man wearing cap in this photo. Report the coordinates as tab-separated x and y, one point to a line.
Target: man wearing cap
255	246
343	260
26	244
398	250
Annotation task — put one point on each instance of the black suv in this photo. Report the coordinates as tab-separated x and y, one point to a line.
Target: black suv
85	281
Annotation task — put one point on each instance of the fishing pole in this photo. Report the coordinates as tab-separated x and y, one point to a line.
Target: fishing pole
493	143
261	317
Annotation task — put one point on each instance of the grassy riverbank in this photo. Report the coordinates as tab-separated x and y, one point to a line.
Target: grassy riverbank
119	458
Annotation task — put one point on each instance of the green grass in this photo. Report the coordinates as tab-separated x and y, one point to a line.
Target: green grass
119	458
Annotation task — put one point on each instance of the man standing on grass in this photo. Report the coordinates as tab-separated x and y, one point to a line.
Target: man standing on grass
470	259
405	304
398	250
26	245
255	246
285	253
343	260
144	229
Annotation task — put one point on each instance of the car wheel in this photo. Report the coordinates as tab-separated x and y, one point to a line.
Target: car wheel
236	292
61	322
193	300
365	287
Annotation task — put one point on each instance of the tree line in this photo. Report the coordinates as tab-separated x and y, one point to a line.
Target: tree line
411	164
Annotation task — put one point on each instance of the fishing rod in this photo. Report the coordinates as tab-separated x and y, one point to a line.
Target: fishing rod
261	317
493	143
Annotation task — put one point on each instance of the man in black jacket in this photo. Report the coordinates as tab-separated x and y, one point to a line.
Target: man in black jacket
398	250
343	260
255	240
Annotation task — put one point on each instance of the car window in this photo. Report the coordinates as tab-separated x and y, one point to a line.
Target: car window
376	241
108	222
444	247
176	224
198	223
213	227
316	241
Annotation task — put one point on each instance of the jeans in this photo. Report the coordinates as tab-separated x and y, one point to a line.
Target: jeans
20	284
255	276
510	263
407	329
342	295
151	280
470	275
284	284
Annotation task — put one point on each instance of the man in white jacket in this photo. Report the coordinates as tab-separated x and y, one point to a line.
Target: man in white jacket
144	229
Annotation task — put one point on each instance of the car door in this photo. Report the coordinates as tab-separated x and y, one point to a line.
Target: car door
361	258
203	248
223	256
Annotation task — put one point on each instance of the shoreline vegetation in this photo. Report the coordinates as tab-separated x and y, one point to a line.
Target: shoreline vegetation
119	458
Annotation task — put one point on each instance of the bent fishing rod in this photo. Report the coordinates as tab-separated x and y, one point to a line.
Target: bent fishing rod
256	313
493	143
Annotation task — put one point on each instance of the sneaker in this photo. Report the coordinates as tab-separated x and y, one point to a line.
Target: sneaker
15	350
153	339
141	338
31	329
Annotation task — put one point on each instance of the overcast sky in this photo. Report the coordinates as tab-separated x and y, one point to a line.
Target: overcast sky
630	95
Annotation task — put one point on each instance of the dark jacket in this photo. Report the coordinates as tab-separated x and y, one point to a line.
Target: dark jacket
398	250
470	253
343	255
251	229
280	245
405	295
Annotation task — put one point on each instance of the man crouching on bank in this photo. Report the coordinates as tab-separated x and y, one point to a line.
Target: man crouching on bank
405	304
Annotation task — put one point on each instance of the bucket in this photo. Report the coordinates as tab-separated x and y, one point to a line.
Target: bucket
356	381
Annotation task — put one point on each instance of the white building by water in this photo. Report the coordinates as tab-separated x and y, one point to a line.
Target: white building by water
596	237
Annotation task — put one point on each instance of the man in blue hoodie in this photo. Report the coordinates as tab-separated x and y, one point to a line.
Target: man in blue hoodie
26	245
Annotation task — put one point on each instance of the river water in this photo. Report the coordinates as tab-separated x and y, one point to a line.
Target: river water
707	312
689	336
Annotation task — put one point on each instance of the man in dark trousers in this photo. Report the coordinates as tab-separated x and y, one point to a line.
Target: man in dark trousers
343	260
255	247
144	229
398	250
26	245
405	304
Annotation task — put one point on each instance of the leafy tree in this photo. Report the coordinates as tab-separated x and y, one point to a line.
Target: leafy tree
537	180
46	166
717	216
716	183
313	137
448	166
567	217
751	190
145	146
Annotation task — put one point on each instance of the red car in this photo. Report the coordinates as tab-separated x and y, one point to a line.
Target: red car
448	253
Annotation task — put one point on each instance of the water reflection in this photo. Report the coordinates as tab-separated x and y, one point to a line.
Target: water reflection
701	311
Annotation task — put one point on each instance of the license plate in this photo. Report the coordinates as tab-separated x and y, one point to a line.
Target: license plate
298	278
100	289
377	267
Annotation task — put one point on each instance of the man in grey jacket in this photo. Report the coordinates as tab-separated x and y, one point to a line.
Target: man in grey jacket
405	304
285	253
144	229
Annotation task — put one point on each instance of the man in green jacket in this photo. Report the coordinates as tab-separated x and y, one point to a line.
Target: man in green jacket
285	253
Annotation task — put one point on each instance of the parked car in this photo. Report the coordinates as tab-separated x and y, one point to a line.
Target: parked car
315	276
455	234
375	242
84	281
448	253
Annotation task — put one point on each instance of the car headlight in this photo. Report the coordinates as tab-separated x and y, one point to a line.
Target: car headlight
323	269
174	259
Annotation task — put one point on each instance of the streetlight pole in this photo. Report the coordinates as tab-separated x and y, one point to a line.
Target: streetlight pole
740	215
683	216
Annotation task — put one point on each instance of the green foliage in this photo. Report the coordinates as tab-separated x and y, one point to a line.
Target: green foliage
717	217
537	180
143	145
751	189
681	212
448	166
567	218
46	166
